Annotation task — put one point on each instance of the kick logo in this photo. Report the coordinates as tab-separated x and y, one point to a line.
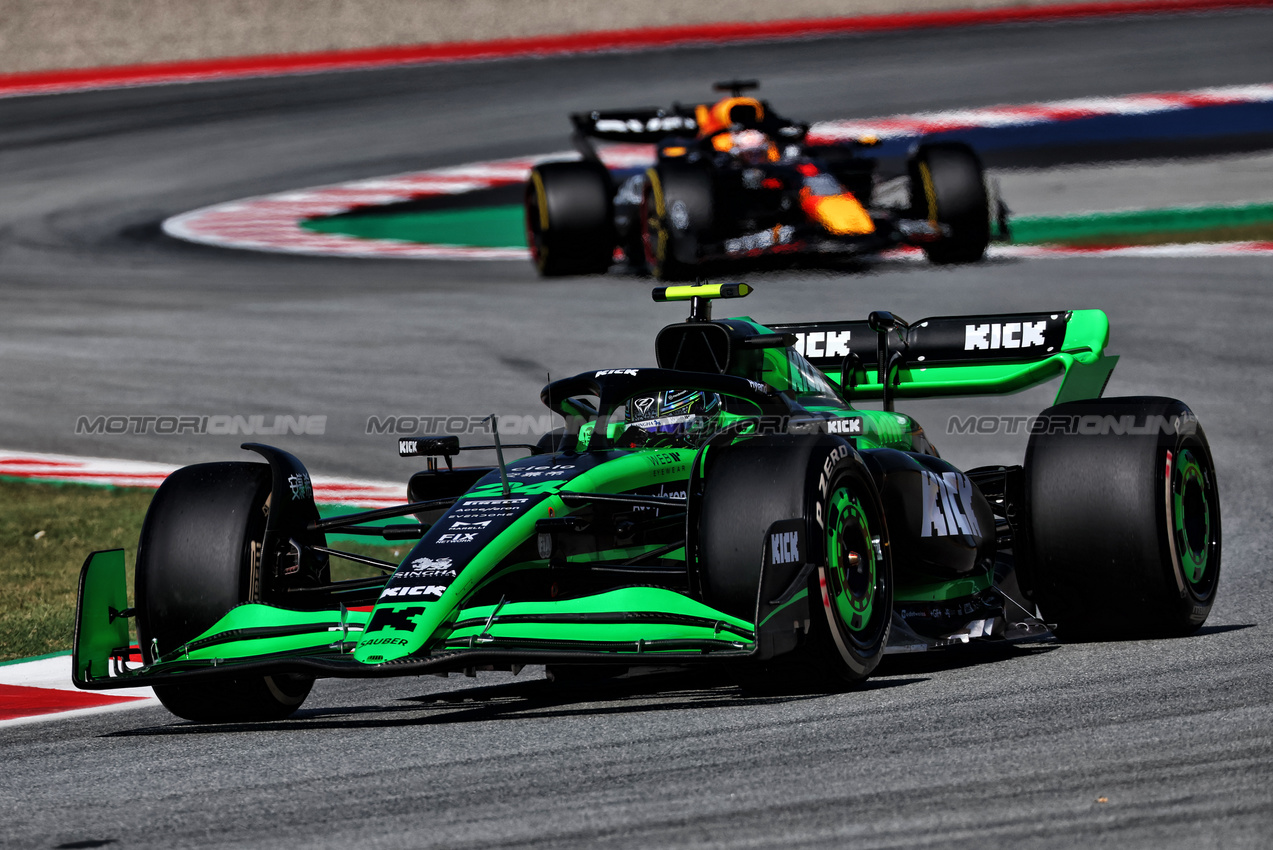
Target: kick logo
844	426
434	590
993	335
815	344
947	505
784	547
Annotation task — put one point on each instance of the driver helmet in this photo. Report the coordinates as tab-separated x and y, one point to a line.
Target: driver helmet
672	417
751	146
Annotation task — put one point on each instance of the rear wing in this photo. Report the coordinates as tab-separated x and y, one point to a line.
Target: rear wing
650	124
963	355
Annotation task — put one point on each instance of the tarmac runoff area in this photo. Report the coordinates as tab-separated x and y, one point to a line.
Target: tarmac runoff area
1110	187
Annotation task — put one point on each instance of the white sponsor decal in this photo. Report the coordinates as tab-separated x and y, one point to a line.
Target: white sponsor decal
418	590
823	343
784	547
433	574
480	503
428	568
995	335
844	426
430	563
605	372
948	504
458	538
657	124
540	471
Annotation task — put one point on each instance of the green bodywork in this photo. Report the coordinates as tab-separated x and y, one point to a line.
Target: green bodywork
627	624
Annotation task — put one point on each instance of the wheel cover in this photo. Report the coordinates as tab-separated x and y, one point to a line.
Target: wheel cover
537	220
1191	517
653	232
852	563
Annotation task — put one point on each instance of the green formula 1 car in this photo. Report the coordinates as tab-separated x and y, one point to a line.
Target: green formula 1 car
733	506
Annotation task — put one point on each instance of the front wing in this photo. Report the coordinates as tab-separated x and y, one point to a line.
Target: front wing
635	626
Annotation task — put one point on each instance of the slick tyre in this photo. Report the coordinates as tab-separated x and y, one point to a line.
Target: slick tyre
948	187
1125	519
570	218
197	559
823	481
677	212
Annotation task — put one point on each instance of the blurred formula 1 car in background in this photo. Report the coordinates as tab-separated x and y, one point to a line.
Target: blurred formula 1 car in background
736	181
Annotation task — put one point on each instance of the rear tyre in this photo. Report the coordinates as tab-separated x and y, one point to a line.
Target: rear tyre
1126	526
199	557
570	218
677	211
948	187
767	479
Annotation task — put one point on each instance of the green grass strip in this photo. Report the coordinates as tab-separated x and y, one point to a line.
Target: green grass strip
479	227
46	532
1133	227
48	529
64	654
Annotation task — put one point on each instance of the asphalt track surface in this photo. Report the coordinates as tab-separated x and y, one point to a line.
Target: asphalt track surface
1137	744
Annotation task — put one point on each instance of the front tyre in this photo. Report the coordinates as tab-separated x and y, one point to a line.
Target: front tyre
198	557
823	482
1125	516
948	187
241	699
